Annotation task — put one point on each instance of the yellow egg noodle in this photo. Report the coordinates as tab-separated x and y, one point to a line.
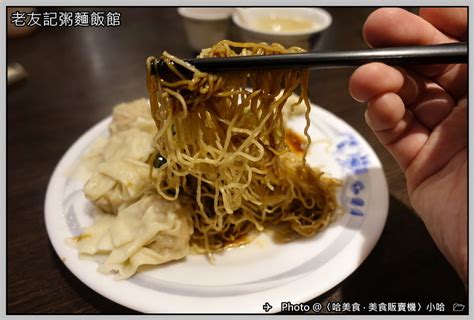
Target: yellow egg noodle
215	158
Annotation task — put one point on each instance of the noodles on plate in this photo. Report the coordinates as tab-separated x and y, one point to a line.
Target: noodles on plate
212	152
223	139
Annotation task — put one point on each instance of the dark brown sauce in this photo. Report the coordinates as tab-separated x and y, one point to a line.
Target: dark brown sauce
241	240
238	242
295	141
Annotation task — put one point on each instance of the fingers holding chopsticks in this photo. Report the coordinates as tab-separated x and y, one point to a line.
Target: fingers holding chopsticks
394	125
428	102
404	106
396	27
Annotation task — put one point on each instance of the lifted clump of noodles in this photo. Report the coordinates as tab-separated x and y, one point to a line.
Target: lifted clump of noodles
221	144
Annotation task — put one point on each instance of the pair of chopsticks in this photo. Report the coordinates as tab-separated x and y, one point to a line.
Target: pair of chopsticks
409	55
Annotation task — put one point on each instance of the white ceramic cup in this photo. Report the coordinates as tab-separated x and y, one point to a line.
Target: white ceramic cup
247	19
205	26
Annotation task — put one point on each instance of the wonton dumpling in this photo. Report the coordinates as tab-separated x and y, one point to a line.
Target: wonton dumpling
131	144
122	173
117	183
135	114
143	228
151	231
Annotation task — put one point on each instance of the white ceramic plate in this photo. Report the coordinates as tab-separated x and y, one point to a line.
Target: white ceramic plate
243	279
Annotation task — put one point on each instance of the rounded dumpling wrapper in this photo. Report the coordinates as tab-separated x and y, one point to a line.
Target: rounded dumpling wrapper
150	231
121	175
135	114
118	183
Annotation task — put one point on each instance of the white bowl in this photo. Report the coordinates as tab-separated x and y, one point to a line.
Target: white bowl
289	26
205	26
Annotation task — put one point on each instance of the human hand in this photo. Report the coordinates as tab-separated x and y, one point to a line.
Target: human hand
420	115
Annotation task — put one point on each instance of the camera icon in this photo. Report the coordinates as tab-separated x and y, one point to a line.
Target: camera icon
458	307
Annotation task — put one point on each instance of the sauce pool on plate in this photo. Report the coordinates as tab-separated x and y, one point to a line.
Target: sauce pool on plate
296	142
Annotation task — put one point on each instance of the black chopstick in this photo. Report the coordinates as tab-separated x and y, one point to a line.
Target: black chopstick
430	54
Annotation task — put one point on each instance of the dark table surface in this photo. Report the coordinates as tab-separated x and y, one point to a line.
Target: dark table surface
76	76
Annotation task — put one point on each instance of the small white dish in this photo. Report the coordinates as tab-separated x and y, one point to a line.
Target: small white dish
241	280
205	26
289	26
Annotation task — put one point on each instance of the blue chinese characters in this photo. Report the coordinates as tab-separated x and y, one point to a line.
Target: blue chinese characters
354	162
